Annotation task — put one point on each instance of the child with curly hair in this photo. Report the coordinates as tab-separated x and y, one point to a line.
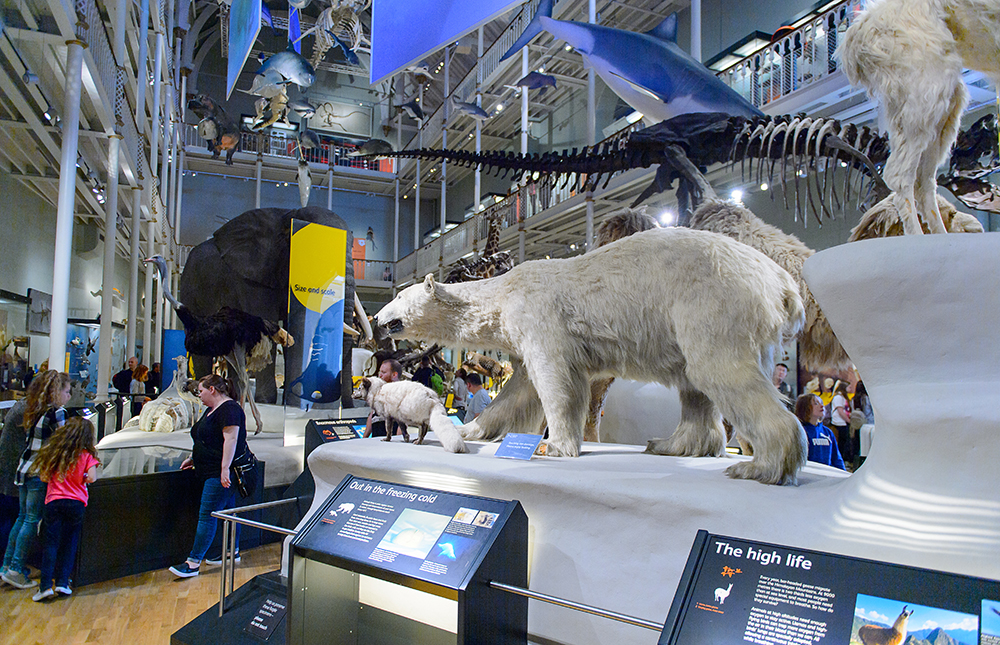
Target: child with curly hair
43	414
68	462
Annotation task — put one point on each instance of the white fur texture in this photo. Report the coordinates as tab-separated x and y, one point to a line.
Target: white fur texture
685	308
414	405
909	54
883	220
819	348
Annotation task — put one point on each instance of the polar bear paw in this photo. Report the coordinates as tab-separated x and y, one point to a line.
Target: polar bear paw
561	449
755	470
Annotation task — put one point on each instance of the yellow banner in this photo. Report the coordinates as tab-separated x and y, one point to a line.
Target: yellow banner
318	285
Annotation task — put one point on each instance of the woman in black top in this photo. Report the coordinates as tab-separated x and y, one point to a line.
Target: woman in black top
219	436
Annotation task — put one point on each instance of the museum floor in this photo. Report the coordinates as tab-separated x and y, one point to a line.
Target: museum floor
139	609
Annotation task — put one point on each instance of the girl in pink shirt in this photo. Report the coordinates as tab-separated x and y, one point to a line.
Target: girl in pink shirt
68	462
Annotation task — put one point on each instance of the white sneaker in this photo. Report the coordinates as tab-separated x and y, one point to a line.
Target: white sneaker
66	591
218	560
42	594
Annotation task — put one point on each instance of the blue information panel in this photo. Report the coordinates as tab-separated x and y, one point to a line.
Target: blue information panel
518	446
425	534
739	591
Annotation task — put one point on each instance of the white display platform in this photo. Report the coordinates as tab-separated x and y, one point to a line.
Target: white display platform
613	527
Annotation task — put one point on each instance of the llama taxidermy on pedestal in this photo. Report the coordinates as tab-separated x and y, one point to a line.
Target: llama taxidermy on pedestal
628	310
909	54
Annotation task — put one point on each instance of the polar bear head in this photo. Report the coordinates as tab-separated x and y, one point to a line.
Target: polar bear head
425	311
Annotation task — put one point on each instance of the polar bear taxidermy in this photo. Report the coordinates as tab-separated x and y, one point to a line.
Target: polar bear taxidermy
690	309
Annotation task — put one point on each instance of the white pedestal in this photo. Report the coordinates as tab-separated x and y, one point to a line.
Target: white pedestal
613	527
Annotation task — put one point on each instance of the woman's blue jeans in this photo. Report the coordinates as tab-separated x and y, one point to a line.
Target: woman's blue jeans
22	535
213	498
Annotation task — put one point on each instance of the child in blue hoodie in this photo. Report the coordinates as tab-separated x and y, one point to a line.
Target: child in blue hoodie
822	441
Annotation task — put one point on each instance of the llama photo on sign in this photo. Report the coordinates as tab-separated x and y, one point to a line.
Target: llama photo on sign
689	309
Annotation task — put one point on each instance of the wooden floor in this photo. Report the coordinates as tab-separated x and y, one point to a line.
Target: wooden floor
139	609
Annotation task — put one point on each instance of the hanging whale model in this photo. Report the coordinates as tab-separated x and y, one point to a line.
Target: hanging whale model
469	109
648	71
292	66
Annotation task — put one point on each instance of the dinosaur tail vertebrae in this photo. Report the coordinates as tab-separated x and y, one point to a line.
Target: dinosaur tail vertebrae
808	148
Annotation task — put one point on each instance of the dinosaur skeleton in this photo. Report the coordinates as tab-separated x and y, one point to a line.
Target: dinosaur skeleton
342	18
687	144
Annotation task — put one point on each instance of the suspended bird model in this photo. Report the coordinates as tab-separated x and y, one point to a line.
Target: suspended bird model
412	109
230	333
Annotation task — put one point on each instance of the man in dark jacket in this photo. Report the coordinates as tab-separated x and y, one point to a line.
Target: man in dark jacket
123	379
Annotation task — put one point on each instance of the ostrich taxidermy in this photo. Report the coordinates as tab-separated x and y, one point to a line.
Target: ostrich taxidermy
909	54
243	339
884	220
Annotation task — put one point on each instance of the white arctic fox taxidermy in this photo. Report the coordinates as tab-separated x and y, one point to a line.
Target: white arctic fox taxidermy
414	405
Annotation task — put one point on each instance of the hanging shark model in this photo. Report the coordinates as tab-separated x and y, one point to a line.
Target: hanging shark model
648	71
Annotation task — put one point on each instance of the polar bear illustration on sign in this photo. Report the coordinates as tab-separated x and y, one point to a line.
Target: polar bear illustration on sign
690	309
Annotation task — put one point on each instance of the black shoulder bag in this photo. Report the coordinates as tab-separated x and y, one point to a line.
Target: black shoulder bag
245	472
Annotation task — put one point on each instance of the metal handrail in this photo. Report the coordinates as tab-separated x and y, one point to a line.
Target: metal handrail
578	606
229	518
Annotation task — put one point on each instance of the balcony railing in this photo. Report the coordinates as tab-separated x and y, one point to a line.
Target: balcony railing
283	144
794	62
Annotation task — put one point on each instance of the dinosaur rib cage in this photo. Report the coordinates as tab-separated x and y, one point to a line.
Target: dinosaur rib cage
809	147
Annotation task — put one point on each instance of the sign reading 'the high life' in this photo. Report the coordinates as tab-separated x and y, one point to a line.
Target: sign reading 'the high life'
740	591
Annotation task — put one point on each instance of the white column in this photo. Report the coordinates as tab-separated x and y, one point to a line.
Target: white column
141	80
444	141
154	351
524	151
108	282
147	322
329	185
164	175
133	280
154	133
591	133
399	146
121	13
260	164
416	205
696	30
66	203
477	190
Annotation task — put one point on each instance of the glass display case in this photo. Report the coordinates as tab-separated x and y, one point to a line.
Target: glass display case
14	343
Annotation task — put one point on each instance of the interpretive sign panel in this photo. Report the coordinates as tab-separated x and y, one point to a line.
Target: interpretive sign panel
739	591
268	616
518	446
430	535
338	429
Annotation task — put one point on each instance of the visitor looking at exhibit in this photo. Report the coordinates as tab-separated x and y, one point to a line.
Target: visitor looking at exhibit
67	463
480	397
389	371
43	414
822	442
218	436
